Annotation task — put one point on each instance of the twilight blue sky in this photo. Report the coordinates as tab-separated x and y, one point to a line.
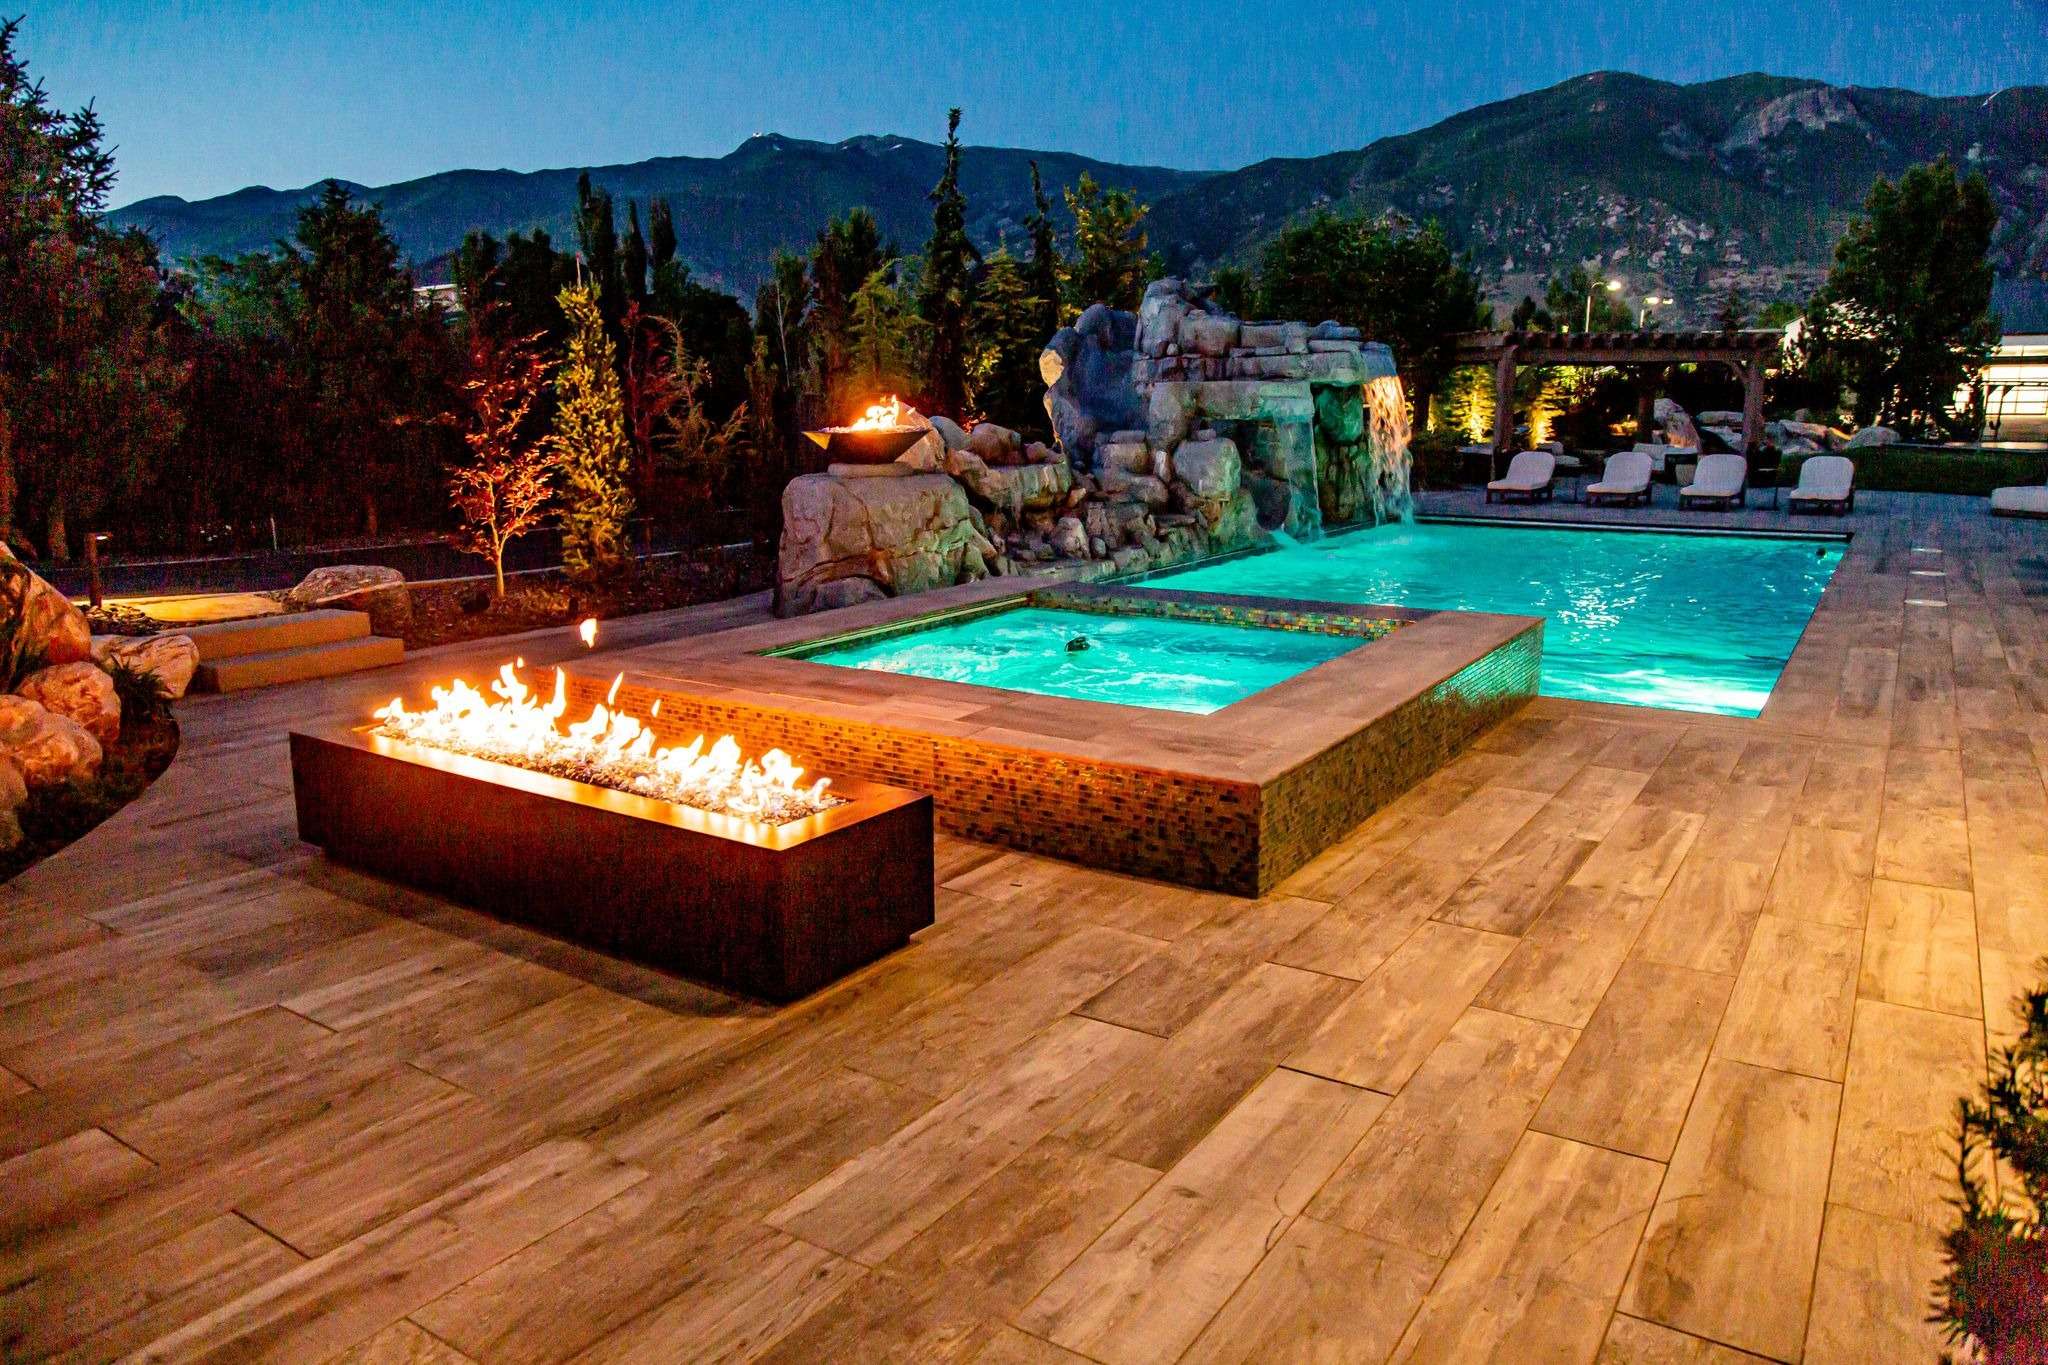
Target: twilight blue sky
203	98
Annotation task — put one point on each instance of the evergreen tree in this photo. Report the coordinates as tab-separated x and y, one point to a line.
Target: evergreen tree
88	380
948	286
501	492
1566	296
1111	263
883	332
1003	365
1733	314
661	234
1233	288
633	258
848	252
1904	317
1045	278
590	439
597	235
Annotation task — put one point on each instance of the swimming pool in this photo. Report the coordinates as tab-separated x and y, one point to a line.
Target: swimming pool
1686	622
1140	660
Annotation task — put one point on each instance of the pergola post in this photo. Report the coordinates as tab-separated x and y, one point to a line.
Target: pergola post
1503	405
1752	405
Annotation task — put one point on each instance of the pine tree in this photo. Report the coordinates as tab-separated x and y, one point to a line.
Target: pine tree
948	285
1007	340
502	492
1045	278
661	234
1733	315
1111	263
597	234
633	258
848	252
590	439
882	337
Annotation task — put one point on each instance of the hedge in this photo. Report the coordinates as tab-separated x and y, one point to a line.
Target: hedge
1969	471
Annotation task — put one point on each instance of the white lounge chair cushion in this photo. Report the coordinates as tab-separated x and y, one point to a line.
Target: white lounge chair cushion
1718	476
1527	472
1825	478
1627	472
2029	498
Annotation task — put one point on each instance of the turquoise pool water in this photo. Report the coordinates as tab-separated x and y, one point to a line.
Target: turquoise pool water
1132	660
1688	622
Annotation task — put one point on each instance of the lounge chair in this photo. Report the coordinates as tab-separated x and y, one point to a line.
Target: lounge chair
1530	477
2025	500
1827	483
1625	480
1719	481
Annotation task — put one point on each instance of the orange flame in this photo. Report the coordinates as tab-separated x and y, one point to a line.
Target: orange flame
881	416
588	631
609	748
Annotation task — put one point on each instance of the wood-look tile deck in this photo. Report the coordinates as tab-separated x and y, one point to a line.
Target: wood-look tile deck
1628	1036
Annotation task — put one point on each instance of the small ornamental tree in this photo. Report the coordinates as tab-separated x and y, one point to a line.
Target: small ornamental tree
651	391
1044	274
504	489
1994	1296
590	440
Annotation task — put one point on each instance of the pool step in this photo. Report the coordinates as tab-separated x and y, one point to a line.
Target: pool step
270	634
323	659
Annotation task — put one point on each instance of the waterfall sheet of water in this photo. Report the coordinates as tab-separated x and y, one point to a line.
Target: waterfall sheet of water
1388	479
1283	540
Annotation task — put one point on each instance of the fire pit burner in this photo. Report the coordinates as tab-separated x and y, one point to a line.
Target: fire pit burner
878	437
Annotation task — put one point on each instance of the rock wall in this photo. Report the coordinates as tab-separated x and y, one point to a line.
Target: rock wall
1183	432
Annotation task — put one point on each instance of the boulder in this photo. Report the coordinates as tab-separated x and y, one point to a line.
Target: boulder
1129	457
1013	488
81	691
950	432
995	444
1210	469
1166	302
50	750
371	588
1152	493
1208	334
1677	425
1040	453
170	659
13	791
1720	417
1169	412
1340	412
1871	436
1070	538
900	535
38	624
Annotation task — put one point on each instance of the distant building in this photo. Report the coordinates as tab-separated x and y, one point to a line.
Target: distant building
2013	389
444	294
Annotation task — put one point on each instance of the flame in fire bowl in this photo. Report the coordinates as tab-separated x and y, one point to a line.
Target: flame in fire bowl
771	910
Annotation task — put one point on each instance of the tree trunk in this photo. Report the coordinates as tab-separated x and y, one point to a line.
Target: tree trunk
58	544
498	568
370	515
7	488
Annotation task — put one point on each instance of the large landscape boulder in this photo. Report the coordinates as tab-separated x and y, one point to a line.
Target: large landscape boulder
48	749
1871	436
170	659
846	540
1210	469
372	588
82	691
1677	425
38	624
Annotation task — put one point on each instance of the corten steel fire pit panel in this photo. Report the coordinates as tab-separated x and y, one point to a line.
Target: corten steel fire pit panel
772	911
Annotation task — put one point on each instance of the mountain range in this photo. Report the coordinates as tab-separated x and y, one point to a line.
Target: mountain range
1683	191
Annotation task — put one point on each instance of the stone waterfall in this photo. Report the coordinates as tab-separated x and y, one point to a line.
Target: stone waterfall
1391	463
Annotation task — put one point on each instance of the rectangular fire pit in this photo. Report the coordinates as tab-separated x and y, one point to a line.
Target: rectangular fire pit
771	910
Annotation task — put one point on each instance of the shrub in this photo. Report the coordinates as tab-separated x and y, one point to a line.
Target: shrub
144	698
1919	469
1994	1297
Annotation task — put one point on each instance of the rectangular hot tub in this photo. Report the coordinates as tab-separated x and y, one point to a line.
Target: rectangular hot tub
1230	797
1072	647
771	910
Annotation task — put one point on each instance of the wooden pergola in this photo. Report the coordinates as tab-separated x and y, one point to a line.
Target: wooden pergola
1744	352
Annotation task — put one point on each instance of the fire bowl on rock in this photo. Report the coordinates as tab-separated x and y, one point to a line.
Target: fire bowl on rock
865	445
775	911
